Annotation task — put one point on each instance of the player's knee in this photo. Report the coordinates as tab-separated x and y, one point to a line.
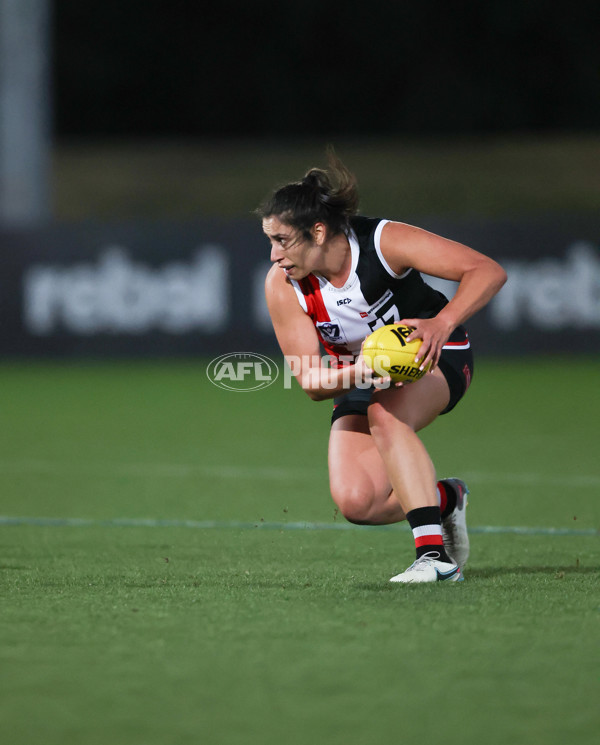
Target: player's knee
355	506
386	425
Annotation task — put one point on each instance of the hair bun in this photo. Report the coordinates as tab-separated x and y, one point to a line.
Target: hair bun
329	196
312	179
318	181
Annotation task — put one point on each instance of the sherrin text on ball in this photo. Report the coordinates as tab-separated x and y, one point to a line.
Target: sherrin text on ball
387	352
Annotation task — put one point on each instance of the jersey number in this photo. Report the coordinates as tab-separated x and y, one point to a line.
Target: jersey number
388	313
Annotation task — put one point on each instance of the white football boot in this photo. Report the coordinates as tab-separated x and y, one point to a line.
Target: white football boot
454	527
430	569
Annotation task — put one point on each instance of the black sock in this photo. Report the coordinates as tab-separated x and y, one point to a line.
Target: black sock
447	496
426	524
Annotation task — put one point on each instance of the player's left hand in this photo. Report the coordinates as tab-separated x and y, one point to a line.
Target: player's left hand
364	374
434	332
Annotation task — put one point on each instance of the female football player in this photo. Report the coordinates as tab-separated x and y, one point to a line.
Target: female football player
337	276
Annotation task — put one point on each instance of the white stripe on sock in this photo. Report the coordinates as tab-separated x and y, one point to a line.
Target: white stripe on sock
427	530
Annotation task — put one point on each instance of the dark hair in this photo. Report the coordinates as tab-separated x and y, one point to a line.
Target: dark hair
328	196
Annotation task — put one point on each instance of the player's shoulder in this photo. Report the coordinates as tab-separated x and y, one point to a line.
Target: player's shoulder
277	286
275	280
365	229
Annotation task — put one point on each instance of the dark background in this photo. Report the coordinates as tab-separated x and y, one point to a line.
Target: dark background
270	68
172	119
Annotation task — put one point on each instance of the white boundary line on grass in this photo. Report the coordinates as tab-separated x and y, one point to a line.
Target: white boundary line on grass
126	522
269	473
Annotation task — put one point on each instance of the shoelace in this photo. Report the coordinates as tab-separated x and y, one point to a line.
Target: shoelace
423	561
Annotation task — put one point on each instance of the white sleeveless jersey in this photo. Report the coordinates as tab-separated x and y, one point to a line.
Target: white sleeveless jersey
372	296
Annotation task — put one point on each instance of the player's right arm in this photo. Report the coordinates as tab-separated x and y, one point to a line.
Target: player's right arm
299	342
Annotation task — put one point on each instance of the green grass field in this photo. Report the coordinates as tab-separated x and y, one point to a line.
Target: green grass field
190	604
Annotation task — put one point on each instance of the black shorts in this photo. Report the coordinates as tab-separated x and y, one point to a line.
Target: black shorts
455	363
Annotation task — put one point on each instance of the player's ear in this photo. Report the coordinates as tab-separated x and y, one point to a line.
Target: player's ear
319	233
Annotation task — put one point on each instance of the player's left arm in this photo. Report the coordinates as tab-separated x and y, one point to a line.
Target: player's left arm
479	278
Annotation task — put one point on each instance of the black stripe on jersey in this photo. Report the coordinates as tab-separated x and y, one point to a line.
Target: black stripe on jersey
413	297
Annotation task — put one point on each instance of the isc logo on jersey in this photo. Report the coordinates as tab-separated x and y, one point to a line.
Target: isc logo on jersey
242	371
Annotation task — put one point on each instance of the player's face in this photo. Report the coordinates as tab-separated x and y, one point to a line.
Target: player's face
290	250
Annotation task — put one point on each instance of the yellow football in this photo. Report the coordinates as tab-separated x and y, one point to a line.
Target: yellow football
387	352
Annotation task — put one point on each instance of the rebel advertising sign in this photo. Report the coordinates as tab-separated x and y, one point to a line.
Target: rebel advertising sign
196	288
